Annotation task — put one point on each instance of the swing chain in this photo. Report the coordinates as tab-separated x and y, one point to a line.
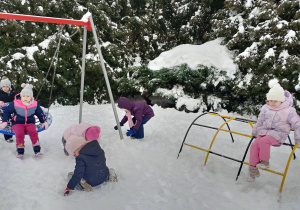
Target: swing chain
53	61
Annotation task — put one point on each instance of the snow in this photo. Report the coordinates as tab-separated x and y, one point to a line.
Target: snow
30	51
45	44
150	175
291	35
248	4
86	17
253	49
270	53
194	55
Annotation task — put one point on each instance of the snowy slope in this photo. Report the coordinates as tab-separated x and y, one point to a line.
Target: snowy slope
150	175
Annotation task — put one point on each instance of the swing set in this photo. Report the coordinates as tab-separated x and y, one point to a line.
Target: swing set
88	24
226	120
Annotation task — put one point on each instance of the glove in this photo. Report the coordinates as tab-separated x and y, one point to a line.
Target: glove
130	132
116	127
45	125
3	125
67	191
2	104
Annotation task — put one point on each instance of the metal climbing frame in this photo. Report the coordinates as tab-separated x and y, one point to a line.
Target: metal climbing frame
226	120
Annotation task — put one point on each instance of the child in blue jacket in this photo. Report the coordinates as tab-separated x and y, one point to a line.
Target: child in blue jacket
7	94
90	169
24	108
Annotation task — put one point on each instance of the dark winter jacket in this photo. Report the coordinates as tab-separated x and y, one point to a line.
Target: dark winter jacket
137	109
7	97
90	165
23	114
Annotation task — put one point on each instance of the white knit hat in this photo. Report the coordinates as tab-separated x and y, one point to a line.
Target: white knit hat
276	92
5	82
27	90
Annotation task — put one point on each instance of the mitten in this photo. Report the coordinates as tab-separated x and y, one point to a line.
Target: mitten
3	125
130	132
67	191
45	125
2	104
116	127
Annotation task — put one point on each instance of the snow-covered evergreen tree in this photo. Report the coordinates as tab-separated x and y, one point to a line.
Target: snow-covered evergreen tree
265	37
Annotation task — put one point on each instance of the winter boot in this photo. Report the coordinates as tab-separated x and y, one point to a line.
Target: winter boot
253	173
37	151
20	156
263	164
10	140
20	153
112	175
87	187
39	154
133	137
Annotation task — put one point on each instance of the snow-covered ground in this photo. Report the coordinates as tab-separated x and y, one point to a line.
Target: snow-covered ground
150	175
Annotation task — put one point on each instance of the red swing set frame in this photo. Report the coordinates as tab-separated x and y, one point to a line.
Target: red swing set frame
88	25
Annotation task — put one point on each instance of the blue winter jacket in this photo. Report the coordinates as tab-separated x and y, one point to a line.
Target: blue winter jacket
7	97
90	165
23	114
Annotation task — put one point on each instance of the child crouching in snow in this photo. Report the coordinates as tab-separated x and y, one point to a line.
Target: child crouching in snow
272	128
141	112
90	170
23	108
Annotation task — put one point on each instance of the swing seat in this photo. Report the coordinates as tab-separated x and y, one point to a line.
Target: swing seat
8	129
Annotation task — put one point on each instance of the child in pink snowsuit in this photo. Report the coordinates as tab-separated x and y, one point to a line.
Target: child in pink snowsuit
272	128
24	108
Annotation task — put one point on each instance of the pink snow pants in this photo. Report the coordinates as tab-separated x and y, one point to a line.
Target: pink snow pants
20	129
261	148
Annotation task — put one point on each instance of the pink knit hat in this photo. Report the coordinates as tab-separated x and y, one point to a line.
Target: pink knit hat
92	133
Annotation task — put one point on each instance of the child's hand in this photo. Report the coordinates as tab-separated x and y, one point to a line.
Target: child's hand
45	125
130	132
3	125
67	192
2	104
116	127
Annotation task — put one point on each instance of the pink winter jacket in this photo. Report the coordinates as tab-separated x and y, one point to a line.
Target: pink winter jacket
278	122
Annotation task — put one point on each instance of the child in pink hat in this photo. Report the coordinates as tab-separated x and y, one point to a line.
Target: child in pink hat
90	169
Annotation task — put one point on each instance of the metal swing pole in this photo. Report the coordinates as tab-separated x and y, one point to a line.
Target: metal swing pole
106	77
82	73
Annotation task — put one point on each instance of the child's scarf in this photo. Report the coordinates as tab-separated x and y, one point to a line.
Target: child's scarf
128	114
